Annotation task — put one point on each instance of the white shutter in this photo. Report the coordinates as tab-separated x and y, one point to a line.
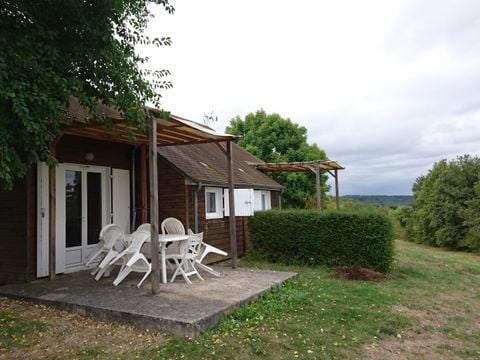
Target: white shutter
121	198
243	202
42	219
258	200
268	200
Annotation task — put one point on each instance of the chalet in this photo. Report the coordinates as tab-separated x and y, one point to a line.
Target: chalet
50	221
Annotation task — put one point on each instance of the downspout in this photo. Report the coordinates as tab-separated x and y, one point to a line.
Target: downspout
195	206
134	195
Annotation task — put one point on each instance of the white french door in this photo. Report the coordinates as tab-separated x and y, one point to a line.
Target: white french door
83	203
87	198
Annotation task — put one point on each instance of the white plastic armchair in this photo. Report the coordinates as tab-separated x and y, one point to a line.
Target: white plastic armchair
111	236
206	249
185	259
132	259
172	225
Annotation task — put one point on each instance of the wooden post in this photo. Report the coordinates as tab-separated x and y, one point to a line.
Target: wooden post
52	224
336	188
231	203
154	209
143	185
319	188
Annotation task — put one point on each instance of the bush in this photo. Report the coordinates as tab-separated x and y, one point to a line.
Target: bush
333	238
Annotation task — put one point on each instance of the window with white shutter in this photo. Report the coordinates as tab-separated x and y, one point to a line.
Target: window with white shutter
213	203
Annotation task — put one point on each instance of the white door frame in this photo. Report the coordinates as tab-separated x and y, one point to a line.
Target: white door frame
82	251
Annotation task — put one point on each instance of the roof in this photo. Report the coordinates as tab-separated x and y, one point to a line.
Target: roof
171	131
207	164
296	166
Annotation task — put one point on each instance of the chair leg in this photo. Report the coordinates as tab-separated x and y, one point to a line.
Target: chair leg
104	267
143	279
122	275
208	269
196	271
182	271
175	274
93	257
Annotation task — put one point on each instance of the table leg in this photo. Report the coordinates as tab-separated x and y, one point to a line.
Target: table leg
164	265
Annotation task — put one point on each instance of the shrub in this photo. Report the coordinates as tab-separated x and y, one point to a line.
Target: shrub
333	238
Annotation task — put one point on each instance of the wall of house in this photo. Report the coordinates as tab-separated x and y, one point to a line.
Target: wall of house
176	199
172	198
275	199
18	231
217	231
18	210
72	149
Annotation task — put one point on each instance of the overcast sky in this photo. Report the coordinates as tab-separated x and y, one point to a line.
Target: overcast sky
384	87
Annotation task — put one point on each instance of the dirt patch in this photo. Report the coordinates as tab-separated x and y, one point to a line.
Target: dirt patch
70	335
414	346
448	312
358	273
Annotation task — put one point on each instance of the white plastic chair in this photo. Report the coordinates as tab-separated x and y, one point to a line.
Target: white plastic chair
110	236
146	247
206	249
172	225
132	259
185	259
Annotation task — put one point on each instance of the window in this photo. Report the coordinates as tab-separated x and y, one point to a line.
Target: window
262	200
213	203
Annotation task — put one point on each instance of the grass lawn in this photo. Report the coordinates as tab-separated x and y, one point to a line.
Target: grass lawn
428	307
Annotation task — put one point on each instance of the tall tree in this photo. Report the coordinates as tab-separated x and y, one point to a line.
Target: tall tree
51	50
444	203
275	139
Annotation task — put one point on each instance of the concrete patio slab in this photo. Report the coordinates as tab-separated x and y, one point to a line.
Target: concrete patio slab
179	309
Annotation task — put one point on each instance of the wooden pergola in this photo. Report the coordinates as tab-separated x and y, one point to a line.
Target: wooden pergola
163	132
316	166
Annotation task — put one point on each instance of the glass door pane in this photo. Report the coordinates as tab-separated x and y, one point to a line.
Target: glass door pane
94	206
73	208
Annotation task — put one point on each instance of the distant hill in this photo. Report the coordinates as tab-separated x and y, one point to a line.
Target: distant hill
383	200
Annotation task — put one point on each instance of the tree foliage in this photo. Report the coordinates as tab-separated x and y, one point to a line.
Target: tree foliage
51	50
275	139
446	203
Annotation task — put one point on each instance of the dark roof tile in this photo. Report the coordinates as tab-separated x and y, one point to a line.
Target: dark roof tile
206	163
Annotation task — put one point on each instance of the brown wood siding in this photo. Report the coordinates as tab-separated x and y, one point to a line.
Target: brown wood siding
13	233
171	194
31	223
275	199
178	200
216	232
72	149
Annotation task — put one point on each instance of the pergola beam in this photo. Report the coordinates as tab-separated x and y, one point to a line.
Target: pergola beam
316	166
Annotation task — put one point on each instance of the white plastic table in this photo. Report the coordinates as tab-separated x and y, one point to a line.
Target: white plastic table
163	239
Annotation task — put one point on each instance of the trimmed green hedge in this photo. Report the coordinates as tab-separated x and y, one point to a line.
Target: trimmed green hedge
333	238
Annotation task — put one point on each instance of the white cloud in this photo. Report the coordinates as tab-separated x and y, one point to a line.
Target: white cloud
385	87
